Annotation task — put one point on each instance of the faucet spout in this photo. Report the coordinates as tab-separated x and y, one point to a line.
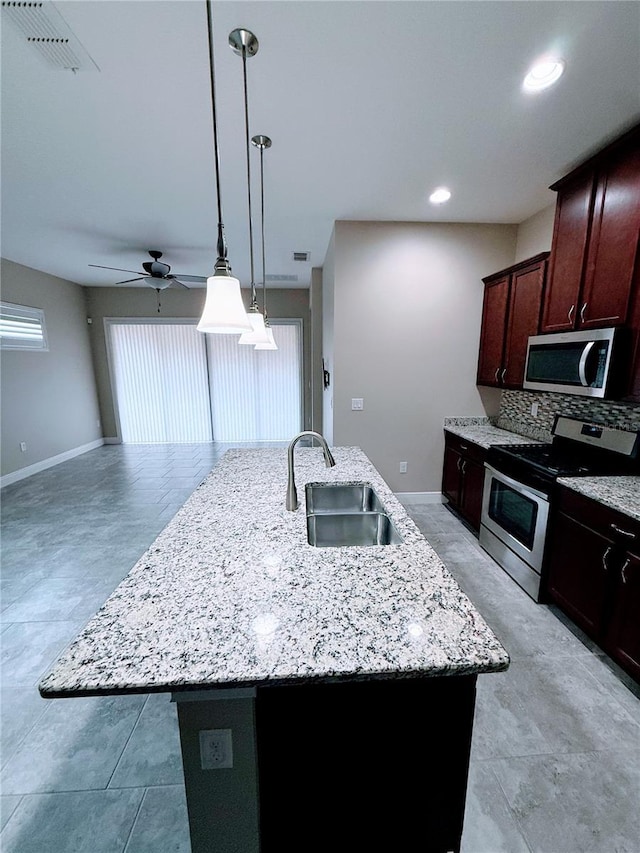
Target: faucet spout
292	494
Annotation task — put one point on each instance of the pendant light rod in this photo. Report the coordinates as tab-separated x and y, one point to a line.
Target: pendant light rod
222	262
244	43
261	142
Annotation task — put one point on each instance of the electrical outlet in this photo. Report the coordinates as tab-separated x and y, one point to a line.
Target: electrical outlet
403	467
23	446
357	404
534	409
216	749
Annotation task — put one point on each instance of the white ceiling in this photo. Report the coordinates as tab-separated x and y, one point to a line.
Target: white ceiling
370	105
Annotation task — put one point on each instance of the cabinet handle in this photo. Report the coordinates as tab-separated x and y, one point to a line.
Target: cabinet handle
464	465
624	568
502	375
582	310
464	447
622	532
497	372
458	462
570	312
605	565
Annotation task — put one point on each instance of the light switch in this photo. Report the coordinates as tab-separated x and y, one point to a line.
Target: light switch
357	404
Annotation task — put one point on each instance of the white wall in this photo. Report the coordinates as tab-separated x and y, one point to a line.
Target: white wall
49	399
406	326
535	234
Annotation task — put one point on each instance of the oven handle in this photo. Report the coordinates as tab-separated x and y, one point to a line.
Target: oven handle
516	485
582	367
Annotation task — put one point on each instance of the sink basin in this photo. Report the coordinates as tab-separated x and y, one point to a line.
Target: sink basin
337	529
342	498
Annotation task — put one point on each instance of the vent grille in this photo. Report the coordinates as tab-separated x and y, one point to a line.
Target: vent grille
46	30
281	277
301	256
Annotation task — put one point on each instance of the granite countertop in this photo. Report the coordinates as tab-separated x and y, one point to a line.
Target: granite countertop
231	594
481	431
620	493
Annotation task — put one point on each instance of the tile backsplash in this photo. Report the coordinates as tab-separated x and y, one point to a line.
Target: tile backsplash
515	412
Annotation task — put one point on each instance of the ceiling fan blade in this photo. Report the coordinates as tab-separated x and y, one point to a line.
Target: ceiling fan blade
116	269
192	277
131	279
174	280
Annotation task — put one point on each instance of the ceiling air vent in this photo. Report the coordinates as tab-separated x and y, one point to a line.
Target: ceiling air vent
301	256
47	31
291	278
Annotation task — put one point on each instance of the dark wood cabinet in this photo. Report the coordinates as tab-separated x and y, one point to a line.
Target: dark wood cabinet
510	314
595	241
463	478
593	574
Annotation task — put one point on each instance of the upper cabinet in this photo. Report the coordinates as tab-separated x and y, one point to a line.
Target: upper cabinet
595	241
510	314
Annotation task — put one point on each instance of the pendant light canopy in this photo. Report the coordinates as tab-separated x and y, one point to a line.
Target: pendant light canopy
223	309
261	142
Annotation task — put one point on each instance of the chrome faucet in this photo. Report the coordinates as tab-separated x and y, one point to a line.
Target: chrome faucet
292	495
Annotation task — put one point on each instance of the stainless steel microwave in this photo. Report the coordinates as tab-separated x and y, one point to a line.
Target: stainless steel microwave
570	362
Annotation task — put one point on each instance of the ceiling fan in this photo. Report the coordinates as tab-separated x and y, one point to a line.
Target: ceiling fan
157	274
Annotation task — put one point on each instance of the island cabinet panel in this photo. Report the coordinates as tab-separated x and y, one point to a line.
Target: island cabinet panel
377	765
593	574
595	241
463	477
510	314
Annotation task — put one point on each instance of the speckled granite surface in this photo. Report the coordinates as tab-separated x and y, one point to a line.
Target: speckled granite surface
481	431
621	493
230	593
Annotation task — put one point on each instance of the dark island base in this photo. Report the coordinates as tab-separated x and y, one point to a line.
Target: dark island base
371	765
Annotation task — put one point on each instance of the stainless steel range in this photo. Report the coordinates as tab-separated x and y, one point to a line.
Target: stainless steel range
519	485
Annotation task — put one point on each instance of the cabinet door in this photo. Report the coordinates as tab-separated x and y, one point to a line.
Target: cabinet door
578	572
494	318
451	475
471	492
623	636
613	244
524	319
568	254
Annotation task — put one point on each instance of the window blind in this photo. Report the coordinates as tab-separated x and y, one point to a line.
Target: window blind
22	327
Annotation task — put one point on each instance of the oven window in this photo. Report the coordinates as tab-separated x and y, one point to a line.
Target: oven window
513	512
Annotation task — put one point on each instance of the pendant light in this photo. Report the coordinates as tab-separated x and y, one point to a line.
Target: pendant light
261	142
223	311
243	43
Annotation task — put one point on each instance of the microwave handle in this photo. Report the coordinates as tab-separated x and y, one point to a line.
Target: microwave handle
582	367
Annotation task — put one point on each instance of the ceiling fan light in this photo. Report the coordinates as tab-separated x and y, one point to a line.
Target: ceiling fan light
271	344
224	312
258	335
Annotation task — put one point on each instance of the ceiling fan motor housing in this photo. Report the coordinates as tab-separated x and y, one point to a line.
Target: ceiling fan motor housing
156	268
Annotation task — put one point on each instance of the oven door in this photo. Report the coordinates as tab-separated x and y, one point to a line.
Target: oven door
516	514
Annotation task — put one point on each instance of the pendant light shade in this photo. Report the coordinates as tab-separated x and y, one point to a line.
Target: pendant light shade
258	335
270	344
224	311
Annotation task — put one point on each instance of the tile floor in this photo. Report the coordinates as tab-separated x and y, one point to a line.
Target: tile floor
555	758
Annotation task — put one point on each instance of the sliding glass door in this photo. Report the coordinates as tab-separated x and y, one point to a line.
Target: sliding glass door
173	384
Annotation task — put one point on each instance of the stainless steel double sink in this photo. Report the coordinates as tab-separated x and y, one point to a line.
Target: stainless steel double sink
340	514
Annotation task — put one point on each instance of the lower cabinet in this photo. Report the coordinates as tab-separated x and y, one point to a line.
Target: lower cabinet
594	574
463	477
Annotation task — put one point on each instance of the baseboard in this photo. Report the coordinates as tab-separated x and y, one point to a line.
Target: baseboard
112	440
23	473
419	497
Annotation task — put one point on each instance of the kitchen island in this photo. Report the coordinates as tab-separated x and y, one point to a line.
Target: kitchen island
330	678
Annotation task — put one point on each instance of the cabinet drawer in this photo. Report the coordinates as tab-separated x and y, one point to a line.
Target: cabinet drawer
599	517
466	448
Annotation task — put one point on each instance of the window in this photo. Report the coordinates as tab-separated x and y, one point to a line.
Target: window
22	327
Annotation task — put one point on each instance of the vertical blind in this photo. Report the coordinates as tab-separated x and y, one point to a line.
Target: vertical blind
256	394
174	384
160	374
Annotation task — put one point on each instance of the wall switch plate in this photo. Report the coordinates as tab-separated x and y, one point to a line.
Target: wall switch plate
403	467
357	404
534	409
216	749
23	446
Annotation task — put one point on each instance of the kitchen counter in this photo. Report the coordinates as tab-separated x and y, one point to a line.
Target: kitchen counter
483	433
619	493
231	594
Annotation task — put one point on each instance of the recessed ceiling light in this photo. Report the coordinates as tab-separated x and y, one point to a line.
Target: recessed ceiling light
543	74
440	195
